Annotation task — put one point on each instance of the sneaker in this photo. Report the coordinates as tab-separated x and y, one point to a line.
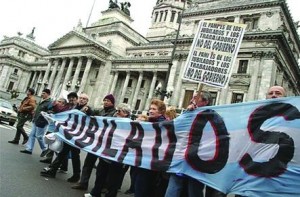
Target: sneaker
88	195
46	168
44	152
47	160
62	171
49	173
128	192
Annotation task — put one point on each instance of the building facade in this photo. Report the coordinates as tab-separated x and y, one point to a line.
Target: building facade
109	56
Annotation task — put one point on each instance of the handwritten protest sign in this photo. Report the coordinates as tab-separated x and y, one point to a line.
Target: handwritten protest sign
213	52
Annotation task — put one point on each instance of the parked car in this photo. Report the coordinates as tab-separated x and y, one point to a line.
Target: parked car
7	112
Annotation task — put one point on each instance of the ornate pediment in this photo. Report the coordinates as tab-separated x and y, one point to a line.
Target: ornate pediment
77	39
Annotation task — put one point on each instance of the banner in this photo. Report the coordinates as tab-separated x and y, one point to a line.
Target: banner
213	52
251	149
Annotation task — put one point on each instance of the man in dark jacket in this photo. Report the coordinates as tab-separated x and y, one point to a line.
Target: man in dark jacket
25	113
39	124
51	172
90	160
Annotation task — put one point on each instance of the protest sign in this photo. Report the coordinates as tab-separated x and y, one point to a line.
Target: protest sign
250	149
213	52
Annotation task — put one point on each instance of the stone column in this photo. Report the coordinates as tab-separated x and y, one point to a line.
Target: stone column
102	82
68	74
151	89
33	79
52	76
254	76
137	90
178	85
45	78
85	74
56	89
124	87
76	74
114	83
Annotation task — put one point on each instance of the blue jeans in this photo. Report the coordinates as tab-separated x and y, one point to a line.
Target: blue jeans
38	133
176	184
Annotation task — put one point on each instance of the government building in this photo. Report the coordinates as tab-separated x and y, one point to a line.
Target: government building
109	56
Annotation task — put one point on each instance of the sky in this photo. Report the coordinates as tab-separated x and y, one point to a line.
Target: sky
54	18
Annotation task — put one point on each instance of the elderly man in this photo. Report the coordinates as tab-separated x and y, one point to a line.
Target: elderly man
25	113
90	160
177	181
276	92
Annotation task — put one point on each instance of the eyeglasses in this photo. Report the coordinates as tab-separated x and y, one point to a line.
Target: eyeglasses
119	111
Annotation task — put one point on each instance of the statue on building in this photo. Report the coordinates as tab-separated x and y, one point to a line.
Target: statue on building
113	5
125	7
31	35
79	26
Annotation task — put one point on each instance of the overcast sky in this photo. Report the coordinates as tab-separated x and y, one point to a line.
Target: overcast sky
54	18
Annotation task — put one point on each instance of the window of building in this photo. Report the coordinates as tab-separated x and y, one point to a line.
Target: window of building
213	97
156	16
143	84
252	23
15	71
125	100
237	98
11	85
161	15
166	14
243	66
130	83
21	53
96	74
179	17
137	105
173	16
187	98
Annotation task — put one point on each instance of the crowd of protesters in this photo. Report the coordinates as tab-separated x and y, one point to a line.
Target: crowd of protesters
109	174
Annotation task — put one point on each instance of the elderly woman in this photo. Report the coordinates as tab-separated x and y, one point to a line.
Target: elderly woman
110	174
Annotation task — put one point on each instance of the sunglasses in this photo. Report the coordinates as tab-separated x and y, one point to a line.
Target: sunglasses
119	111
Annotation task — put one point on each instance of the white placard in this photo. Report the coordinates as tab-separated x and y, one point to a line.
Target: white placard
213	52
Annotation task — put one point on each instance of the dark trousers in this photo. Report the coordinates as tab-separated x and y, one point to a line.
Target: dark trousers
132	173
61	157
145	183
64	163
211	192
87	168
108	174
22	118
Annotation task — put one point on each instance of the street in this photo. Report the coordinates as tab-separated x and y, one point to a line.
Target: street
20	173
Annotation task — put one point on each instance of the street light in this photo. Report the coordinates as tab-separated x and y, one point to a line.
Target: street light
170	64
68	85
162	93
77	85
46	84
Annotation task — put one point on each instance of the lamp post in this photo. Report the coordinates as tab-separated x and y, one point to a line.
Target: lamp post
46	84
68	85
170	64
162	93
77	85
